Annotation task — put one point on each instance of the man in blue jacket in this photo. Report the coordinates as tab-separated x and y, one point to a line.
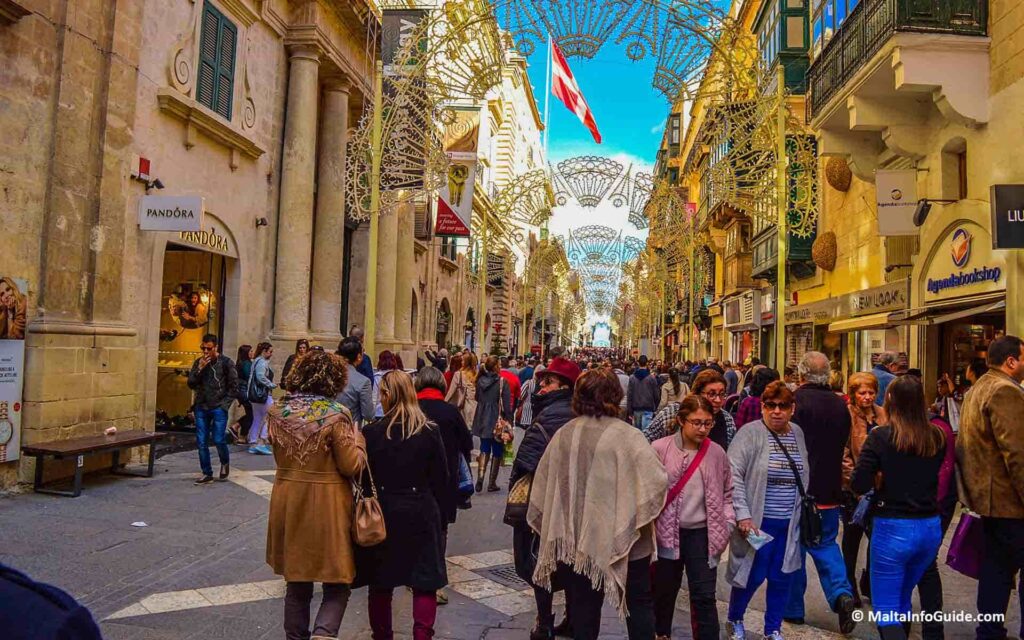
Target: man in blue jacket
31	610
883	371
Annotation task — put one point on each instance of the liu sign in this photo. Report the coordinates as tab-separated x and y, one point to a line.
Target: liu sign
1007	216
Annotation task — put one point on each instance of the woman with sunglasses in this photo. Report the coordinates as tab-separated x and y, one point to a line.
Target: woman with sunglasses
693	529
766	457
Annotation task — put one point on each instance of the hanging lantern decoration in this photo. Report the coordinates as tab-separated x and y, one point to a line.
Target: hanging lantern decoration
838	174
824	251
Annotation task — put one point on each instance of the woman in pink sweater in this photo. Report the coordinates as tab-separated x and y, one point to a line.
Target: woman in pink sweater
694	528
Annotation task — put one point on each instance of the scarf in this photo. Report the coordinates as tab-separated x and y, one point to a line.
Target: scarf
598	484
300	424
430	394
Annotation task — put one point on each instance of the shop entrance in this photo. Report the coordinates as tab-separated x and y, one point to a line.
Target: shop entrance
191	298
964	341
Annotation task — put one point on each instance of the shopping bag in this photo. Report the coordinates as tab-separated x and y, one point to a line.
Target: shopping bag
967	548
465	477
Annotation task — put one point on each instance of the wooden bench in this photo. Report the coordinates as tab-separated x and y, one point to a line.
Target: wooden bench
78	448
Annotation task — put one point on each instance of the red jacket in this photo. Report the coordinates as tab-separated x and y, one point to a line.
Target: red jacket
514	386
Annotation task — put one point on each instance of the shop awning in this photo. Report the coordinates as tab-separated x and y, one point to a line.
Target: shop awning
949	313
873	321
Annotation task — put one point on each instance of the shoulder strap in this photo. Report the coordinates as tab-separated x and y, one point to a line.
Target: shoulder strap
792	464
690	470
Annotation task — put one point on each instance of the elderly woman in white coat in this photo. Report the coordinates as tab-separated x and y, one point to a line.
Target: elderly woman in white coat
767	457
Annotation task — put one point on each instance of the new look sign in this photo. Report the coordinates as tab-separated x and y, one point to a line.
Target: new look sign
171	213
1007	216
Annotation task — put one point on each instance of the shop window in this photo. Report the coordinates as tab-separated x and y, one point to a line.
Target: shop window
216	80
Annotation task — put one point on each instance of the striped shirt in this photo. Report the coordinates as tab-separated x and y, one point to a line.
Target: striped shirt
526	403
781	493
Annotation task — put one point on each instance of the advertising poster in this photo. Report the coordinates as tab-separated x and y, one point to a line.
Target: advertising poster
13	305
406	139
455	198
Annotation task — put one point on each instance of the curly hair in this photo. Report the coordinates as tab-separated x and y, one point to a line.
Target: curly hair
317	373
598	393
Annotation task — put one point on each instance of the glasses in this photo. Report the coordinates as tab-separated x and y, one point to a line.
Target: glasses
712	395
701	424
772	406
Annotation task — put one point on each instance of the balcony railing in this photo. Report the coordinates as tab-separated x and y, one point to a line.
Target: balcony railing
871	24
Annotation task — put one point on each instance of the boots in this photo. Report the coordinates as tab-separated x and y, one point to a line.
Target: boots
492	481
481	469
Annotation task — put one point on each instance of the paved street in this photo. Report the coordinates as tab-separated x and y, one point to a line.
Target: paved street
197	569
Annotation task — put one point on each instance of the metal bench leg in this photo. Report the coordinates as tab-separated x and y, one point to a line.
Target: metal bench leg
39	473
137	474
76	486
115	461
152	457
79	466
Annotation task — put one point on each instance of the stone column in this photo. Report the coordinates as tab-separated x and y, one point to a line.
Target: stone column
298	169
329	237
405	274
387	261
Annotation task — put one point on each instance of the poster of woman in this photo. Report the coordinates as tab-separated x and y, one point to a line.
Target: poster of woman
13	304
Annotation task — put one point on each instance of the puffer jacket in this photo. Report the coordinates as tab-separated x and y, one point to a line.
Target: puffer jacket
551	411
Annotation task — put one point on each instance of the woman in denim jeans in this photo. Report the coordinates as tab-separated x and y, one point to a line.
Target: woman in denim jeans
908	454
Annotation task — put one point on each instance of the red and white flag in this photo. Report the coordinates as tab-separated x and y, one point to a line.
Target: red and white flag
564	86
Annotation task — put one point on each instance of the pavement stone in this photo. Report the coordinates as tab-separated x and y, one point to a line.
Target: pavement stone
198	571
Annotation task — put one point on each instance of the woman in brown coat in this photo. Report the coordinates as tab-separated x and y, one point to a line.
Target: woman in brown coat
865	415
318	452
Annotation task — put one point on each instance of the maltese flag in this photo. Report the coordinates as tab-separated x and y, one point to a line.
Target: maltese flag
564	86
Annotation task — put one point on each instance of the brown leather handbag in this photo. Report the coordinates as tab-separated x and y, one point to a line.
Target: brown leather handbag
368	520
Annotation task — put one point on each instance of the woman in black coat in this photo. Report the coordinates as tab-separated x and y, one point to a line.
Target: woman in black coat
552	408
430	390
407	460
493	400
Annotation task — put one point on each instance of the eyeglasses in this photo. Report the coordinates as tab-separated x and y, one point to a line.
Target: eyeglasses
772	406
701	424
711	395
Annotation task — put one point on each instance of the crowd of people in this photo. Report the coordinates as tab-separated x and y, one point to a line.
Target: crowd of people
628	475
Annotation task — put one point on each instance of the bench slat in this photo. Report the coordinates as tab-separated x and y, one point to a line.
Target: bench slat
91	444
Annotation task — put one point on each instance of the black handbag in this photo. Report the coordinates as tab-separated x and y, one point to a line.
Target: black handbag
810	518
518	501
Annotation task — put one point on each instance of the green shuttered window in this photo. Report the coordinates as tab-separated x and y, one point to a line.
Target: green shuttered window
215	87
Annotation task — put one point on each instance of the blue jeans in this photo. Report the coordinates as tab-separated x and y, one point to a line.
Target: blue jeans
490	446
828	560
642	418
218	419
767	565
901	550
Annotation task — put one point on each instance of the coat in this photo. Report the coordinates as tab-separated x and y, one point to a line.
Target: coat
214	386
990	447
488	408
716	474
859	429
318	451
554	409
457	442
824	420
668	395
748	456
462	394
643	393
357	396
412	480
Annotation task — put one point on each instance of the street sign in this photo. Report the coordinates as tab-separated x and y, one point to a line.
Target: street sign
535	349
1007	216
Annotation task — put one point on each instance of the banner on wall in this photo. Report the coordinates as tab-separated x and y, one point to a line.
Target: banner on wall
13	306
407	137
896	197
455	198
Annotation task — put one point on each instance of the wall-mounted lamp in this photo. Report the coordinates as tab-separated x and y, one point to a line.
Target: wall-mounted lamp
892	267
924	207
261	222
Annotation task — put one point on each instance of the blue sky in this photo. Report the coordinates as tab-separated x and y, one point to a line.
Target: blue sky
629	112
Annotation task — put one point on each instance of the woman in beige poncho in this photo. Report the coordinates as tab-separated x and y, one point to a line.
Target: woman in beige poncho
596	494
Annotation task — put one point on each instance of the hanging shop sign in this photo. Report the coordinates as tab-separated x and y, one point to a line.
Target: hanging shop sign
896	197
13	306
409	129
171	213
1007	216
213	237
455	198
964	264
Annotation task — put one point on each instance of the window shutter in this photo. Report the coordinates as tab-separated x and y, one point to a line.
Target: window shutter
226	68
206	86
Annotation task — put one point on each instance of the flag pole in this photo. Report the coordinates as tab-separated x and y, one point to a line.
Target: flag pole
547	101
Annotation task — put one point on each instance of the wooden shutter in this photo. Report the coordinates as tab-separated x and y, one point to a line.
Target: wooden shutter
216	79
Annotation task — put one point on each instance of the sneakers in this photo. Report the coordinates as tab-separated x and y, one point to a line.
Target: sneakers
844	609
204	480
261	450
736	630
776	635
